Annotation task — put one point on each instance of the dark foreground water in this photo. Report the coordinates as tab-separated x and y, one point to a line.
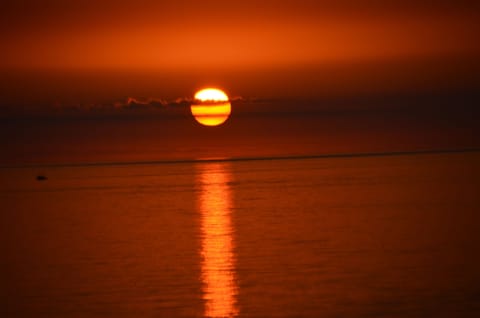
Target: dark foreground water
393	236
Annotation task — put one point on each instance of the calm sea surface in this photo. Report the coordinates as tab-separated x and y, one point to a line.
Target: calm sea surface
393	236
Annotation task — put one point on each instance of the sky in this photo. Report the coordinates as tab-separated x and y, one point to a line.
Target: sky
186	35
169	48
132	58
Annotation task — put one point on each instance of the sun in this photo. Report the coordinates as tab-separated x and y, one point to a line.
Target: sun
211	107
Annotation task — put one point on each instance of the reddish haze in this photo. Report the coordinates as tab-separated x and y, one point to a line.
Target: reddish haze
170	47
78	79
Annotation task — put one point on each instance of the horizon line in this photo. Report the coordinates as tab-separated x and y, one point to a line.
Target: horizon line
240	159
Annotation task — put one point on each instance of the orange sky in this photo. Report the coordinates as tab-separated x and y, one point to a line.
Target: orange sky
188	35
312	77
59	50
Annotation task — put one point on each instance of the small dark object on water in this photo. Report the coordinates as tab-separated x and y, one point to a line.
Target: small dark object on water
41	178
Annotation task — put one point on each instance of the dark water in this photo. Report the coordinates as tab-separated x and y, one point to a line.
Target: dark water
394	236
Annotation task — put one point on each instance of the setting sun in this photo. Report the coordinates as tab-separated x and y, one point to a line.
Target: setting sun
211	107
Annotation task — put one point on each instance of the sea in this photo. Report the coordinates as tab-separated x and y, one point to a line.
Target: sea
374	235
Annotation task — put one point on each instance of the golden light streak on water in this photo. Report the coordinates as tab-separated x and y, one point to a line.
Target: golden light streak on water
217	249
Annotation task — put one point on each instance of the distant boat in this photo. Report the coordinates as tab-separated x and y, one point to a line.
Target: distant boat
41	178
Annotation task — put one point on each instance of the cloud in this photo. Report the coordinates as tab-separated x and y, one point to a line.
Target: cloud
156	103
139	103
127	106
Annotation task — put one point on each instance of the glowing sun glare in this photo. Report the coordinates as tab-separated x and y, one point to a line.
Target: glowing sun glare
211	107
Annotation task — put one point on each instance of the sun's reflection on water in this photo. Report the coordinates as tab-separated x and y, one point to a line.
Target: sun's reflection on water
218	260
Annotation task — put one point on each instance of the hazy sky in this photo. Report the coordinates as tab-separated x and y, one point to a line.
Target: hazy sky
112	80
186	35
76	50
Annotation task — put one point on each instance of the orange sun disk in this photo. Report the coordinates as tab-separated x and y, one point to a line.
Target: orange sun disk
211	107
